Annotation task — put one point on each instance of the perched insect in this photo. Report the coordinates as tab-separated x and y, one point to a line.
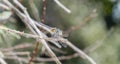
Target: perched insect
56	32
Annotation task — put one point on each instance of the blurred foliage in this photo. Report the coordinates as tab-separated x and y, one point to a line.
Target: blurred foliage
107	7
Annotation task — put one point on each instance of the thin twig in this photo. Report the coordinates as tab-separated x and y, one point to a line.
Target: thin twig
34	10
43	11
20	46
60	58
57	49
34	52
2	61
43	59
98	43
85	20
62	6
14	58
81	53
17	53
4	6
